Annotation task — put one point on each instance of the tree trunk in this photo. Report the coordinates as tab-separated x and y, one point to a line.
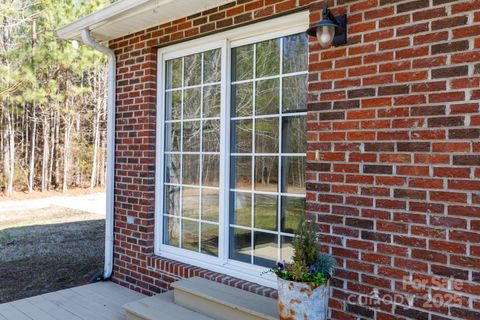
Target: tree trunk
32	153
66	152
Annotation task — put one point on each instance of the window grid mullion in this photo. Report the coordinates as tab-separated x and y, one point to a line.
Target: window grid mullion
180	236
200	178
280	150
254	108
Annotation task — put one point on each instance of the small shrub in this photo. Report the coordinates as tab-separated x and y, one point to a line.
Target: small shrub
309	265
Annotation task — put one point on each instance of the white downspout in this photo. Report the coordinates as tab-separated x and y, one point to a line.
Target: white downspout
87	39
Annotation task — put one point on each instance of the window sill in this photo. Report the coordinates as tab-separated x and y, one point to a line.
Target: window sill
181	266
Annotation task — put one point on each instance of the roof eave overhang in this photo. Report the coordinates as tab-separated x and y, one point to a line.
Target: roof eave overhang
103	24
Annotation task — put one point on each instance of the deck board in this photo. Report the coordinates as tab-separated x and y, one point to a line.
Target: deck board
98	301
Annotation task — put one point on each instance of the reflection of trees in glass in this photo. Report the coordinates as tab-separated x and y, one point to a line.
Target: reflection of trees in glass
266	174
211	136
267	96
211	169
212	61
242	172
174	73
191	136
294	96
242	63
191	169
191	103
266	135
268	58
192	71
211	101
293	174
242	135
294	134
242	99
295	53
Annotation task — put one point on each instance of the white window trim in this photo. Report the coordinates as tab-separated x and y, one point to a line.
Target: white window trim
273	28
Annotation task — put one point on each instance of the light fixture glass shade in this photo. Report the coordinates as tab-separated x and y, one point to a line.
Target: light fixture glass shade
325	35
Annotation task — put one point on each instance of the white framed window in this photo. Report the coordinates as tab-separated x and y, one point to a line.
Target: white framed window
231	147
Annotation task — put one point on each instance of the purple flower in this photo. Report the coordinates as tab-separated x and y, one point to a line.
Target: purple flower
313	269
280	265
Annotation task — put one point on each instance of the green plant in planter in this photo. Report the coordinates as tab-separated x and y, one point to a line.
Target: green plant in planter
309	265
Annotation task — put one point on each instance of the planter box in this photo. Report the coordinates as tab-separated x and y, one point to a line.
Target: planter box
298	300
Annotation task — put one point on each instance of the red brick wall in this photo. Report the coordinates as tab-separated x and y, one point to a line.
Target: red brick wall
395	116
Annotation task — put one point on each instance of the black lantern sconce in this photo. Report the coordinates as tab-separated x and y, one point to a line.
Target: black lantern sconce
330	30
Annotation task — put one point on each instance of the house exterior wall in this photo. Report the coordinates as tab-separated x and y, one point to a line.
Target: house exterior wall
395	184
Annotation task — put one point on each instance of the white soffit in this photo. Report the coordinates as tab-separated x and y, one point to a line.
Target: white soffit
129	16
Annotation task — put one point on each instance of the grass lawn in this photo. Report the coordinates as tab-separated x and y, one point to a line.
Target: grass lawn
50	249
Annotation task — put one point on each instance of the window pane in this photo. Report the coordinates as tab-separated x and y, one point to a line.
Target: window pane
266	135
172	200
242	99
173	105
171	231
191	171
266	174
211	101
242	131
265	252
293	175
293	209
211	170
174	73
240	245
211	136
267	95
265	212
210	205
193	69
295	53
172	136
294	136
209	239
241	172
241	213
242	63
286	249
191	202
190	235
268	58
172	168
191	103
191	136
278	129
294	96
212	66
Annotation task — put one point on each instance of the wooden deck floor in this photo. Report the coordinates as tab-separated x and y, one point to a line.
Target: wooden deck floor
98	301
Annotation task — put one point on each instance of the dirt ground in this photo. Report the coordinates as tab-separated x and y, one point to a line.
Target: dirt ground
49	249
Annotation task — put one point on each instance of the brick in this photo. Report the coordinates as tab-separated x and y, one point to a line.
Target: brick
412	5
450	47
450	22
450	72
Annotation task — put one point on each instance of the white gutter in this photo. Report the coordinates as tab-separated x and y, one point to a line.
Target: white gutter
112	64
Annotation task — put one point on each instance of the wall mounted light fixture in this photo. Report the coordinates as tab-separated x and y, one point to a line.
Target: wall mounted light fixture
330	30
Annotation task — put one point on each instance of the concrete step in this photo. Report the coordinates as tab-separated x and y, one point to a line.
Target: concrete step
222	302
160	307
